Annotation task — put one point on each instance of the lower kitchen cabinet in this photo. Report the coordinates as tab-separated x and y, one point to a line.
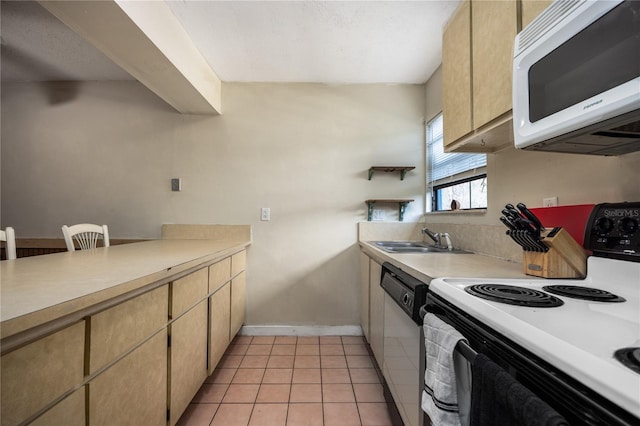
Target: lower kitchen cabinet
219	324
69	411
238	297
376	310
238	262
138	359
188	290
37	374
134	390
219	274
187	358
364	295
120	328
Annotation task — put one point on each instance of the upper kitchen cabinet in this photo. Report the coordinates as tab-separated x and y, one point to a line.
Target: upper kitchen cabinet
456	75
476	67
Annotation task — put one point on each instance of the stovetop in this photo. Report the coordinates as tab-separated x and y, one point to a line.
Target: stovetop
579	336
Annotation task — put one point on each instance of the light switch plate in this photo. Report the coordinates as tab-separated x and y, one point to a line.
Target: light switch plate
265	213
176	184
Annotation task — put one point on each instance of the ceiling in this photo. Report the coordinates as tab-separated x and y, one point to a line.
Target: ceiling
251	41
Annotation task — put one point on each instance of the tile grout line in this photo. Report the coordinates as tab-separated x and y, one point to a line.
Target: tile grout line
291	382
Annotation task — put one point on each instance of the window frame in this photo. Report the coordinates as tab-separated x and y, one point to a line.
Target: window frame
463	176
436	188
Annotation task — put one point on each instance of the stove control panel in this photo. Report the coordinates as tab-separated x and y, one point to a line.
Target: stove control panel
613	231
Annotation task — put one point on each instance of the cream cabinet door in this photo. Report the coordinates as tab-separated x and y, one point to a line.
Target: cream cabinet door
494	27
188	358
219	324
376	303
35	375
238	298
69	411
134	390
456	75
364	295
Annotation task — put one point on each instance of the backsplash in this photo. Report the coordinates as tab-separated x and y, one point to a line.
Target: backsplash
489	240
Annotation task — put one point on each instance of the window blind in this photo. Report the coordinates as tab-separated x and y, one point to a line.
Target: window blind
442	165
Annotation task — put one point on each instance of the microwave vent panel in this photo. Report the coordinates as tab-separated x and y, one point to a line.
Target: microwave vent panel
551	16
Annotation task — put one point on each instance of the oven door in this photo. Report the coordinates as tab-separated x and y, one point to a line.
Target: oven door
579	404
401	365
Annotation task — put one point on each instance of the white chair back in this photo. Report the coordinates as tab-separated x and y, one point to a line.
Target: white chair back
9	236
86	235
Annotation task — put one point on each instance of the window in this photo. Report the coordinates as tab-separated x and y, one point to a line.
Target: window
454	181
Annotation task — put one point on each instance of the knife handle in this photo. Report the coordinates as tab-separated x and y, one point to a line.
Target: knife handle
508	223
532	217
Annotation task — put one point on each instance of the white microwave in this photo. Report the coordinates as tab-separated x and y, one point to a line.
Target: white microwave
576	79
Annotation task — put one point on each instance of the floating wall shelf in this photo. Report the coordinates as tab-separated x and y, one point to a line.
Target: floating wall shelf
402	205
387	169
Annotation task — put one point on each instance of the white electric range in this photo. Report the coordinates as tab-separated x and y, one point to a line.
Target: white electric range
580	356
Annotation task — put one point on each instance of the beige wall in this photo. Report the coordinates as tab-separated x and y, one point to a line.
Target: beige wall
105	153
433	95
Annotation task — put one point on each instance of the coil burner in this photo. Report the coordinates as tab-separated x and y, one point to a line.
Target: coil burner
514	295
584	293
630	357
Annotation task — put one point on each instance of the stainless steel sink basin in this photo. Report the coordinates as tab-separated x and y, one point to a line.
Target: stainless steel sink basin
412	247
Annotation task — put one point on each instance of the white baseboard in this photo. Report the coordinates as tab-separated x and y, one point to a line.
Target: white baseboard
301	330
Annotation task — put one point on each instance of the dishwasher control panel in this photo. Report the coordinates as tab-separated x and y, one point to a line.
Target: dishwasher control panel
407	300
406	291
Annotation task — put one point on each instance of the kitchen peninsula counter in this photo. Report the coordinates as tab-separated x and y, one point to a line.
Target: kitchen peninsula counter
427	266
120	334
40	289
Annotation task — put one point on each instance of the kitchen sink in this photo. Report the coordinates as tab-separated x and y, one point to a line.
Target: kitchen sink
413	247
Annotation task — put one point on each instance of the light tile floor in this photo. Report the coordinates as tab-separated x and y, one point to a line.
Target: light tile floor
291	381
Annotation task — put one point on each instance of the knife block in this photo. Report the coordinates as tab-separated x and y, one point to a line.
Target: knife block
565	258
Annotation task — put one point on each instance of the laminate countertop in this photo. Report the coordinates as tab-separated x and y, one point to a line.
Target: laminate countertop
39	289
427	266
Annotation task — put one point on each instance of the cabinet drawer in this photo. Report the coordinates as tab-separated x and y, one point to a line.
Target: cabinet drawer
219	274
188	290
238	262
35	375
116	330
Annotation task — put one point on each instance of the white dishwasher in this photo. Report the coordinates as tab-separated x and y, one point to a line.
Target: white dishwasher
403	354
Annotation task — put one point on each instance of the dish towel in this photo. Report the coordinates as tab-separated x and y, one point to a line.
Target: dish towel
440	396
497	399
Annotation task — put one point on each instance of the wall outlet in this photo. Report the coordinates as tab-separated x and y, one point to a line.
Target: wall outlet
550	202
265	213
176	184
377	214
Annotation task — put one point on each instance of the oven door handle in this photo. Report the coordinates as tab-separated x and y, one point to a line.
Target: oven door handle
466	351
423	311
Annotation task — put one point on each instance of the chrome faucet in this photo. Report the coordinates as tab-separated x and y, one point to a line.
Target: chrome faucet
437	237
